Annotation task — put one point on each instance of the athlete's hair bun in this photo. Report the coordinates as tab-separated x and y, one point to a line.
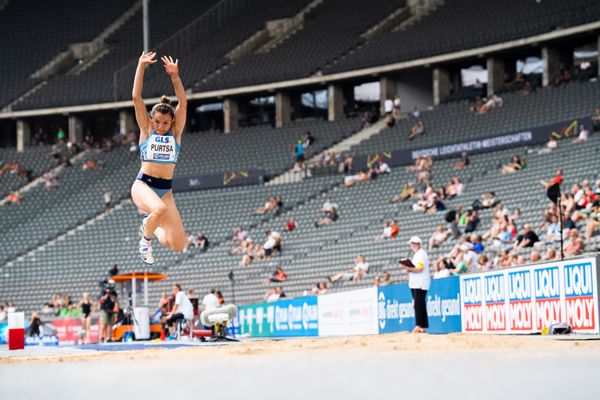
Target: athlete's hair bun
165	100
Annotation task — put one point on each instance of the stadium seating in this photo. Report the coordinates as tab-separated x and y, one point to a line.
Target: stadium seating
97	83
49	31
78	260
466	25
202	154
283	62
35	159
452	123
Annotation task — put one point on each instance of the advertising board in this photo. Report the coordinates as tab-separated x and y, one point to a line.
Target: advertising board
529	299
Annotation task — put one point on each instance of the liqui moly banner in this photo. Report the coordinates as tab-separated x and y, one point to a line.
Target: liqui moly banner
528	299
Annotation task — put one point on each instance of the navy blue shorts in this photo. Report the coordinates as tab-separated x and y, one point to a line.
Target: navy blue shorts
160	186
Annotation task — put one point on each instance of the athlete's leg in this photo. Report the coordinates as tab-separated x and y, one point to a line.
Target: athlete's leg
148	201
170	232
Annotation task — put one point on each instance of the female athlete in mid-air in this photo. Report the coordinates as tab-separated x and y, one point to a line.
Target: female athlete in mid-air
160	140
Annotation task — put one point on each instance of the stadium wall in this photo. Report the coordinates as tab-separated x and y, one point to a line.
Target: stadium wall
517	300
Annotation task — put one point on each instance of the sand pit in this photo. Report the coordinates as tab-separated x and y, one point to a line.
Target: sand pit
365	367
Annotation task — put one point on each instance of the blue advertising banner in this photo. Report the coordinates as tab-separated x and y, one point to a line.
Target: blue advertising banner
3	332
297	317
396	312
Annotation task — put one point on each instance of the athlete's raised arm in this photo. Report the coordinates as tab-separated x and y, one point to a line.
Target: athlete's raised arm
172	68
141	113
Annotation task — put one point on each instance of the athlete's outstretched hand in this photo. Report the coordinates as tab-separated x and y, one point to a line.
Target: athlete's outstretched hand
147	58
171	67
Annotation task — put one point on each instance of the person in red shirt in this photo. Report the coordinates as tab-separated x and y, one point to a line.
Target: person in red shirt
291	225
395	229
557	179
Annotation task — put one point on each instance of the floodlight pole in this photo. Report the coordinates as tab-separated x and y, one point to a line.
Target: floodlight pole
146	25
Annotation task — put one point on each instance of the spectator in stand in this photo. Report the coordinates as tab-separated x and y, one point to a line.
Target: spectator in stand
573	245
486	200
390	231
397	107
584	135
550	254
558	179
464	161
383	168
352	180
354	273
441	269
534	256
454	188
388	107
270	205
517	163
272	245
330	211
550	146
291	225
384	279
493	102
40	137
564	77
320	288
476	243
275	294
61	135
527	238
451	218
89	165
277	276
408	191
299	152
346	164
417	129
592	224
14	198
472	222
11	168
484	263
552	234
308	139
438	237
201	241
415	113
107	195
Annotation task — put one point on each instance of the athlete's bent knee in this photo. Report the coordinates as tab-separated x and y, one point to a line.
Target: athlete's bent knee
159	210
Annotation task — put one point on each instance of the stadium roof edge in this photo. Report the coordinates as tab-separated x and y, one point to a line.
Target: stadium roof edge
322	79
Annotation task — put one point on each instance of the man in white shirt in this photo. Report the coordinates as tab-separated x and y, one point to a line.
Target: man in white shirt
419	280
182	309
273	243
584	135
209	303
388	106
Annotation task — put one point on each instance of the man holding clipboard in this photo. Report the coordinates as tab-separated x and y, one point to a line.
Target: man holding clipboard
419	280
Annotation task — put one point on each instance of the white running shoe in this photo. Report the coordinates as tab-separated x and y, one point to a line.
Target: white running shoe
142	228
146	251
